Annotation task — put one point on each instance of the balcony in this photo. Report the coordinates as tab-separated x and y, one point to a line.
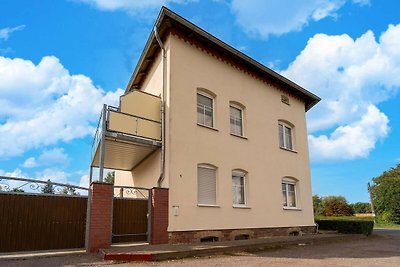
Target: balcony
127	135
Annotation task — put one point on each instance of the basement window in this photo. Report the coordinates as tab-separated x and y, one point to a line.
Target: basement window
242	237
209	239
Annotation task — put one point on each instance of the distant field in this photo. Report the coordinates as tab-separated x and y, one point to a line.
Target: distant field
367	217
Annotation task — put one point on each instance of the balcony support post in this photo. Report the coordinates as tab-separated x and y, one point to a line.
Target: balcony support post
90	175
102	142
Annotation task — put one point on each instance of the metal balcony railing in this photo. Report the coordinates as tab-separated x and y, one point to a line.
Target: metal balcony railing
117	122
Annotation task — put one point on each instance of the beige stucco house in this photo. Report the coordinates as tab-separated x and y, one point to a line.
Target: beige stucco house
226	135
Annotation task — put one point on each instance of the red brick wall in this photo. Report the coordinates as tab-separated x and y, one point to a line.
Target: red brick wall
159	215
99	224
230	234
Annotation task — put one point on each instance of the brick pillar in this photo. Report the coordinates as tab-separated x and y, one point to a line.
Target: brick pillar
99	216
159	215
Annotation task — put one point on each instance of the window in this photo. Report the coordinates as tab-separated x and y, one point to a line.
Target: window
236	120
285	135
205	109
238	188
285	99
206	184
289	193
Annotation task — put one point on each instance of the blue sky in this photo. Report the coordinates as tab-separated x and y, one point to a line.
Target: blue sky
61	60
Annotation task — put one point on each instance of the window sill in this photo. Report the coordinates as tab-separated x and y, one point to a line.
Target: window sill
290	150
240	136
208	205
240	207
288	208
208	127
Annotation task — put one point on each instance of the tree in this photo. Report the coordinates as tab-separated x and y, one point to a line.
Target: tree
361	207
386	195
110	177
18	190
332	206
317	204
336	206
48	188
69	190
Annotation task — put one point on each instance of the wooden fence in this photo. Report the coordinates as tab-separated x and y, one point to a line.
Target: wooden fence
41	222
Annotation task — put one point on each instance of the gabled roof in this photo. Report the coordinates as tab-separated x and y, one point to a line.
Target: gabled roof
168	20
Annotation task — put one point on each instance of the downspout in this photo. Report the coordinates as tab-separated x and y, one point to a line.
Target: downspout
164	62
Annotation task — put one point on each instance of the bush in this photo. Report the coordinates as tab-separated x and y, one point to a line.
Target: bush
336	206
361	207
347	226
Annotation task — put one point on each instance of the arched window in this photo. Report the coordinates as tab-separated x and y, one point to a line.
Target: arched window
206	184
289	192
239	188
205	108
236	112
286	135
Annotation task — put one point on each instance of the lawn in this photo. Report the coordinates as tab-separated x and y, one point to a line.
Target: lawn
354	218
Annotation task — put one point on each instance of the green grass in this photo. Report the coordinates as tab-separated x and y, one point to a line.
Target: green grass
354	218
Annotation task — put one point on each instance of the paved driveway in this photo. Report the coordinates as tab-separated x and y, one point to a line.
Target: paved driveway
382	249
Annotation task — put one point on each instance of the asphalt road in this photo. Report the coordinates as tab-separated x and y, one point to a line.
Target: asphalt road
387	232
380	249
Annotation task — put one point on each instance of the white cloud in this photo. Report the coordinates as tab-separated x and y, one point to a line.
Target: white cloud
352	77
48	157
362	2
43	104
54	175
84	181
15	173
131	6
5	32
263	18
55	156
351	141
30	163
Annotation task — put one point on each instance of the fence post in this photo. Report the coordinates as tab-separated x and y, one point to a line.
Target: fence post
159	215
99	220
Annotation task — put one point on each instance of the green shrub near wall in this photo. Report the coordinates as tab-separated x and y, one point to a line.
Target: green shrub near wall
347	226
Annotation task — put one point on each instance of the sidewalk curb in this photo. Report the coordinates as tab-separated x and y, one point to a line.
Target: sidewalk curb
40	254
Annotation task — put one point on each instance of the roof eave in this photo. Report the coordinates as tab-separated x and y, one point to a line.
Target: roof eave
310	98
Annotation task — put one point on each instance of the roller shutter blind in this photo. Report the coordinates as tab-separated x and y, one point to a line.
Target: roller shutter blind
206	185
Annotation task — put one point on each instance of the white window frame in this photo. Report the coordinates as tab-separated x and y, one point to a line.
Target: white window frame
289	181
212	167
241	109
202	93
243	174
284	126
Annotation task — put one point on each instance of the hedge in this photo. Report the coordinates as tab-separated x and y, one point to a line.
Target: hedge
347	226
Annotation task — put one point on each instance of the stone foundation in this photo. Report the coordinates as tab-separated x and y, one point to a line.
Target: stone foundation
232	234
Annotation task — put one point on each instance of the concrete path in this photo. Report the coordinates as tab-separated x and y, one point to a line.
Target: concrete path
178	251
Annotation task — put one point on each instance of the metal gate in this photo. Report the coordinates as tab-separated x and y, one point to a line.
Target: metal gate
39	215
131	214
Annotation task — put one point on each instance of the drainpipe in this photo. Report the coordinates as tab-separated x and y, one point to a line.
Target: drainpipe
164	62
